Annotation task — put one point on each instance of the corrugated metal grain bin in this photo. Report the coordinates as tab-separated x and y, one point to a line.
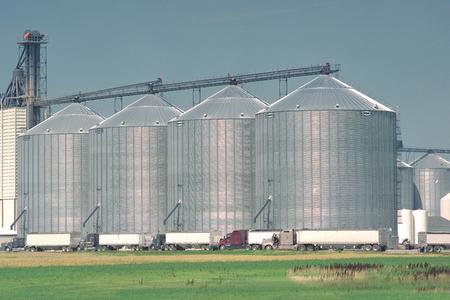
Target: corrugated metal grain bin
212	162
405	179
129	167
326	154
53	172
432	182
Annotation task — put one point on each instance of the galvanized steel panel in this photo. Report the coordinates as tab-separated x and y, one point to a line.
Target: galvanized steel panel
53	172
327	169
129	178
211	169
53	182
129	167
212	162
324	93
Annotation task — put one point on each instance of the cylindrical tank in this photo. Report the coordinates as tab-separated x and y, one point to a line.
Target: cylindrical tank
129	167
405	179
432	182
420	222
326	154
445	207
212	162
405	226
53	172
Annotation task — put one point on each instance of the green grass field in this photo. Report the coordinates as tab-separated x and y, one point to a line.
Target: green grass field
265	279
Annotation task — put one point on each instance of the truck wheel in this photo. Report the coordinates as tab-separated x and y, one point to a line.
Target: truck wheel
367	247
310	248
7	249
301	248
33	249
222	247
268	247
429	249
255	247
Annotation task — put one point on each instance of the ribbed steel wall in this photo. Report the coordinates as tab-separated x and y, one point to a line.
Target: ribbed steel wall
327	169
129	178
211	168
430	186
53	181
405	179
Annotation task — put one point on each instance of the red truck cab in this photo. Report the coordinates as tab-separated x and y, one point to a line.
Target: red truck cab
237	239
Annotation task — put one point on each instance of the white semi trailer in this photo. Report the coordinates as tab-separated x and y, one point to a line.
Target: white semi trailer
190	240
52	241
433	241
310	240
256	238
125	241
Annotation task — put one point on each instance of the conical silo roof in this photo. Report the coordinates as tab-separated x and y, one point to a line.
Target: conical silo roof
326	93
431	161
75	118
232	102
150	110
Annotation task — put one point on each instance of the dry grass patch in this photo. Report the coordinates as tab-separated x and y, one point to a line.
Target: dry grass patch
410	273
27	259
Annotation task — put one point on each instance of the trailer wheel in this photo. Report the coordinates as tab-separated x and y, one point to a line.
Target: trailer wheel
268	247
310	248
367	247
172	248
301	248
376	247
255	247
32	249
438	248
429	249
222	247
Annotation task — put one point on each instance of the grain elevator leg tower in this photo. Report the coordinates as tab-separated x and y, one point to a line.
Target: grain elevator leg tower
29	82
35	62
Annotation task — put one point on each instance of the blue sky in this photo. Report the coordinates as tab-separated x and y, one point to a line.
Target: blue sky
394	51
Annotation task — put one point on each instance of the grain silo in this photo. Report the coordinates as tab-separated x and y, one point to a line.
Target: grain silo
129	167
53	172
326	155
432	182
212	162
405	185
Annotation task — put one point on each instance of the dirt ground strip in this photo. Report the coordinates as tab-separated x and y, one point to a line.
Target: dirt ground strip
27	259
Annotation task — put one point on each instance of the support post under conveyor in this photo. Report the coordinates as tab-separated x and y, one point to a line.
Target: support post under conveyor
96	209
266	205
24	210
176	208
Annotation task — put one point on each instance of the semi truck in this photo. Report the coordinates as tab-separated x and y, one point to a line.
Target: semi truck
285	239
52	241
187	240
238	239
123	241
433	241
368	240
16	244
